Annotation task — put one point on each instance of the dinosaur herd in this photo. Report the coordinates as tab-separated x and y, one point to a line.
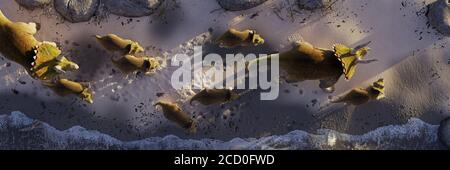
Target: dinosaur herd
43	61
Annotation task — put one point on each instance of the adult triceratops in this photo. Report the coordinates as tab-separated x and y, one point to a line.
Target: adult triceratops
306	62
42	60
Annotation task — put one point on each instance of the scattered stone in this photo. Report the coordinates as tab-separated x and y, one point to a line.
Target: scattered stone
32	4
77	10
159	94
133	8
439	16
226	114
444	132
239	5
15	91
314	4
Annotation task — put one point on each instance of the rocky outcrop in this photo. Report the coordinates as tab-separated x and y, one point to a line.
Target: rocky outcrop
31	4
239	5
444	132
83	10
132	8
314	4
77	10
439	16
17	131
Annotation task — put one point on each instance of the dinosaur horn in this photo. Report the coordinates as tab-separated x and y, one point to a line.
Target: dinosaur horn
362	46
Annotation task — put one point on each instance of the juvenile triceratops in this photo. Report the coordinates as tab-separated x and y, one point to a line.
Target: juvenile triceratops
306	62
65	87
359	96
130	63
41	59
233	38
174	113
114	43
352	99
214	96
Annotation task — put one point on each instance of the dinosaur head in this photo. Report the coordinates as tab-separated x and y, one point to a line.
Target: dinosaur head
47	62
350	57
44	59
151	65
362	52
87	95
378	88
256	38
135	47
82	89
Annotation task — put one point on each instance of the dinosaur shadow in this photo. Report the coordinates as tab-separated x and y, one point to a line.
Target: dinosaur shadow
90	56
165	21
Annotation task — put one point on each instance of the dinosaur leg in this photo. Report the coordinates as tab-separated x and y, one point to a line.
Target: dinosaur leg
328	84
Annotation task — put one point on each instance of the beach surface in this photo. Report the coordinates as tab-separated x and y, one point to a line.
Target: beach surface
413	59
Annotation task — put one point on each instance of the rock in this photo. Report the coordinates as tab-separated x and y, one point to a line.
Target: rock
239	5
133	8
444	132
31	4
314	4
439	16
77	10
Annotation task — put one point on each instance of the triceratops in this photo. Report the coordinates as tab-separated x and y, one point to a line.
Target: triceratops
41	59
175	114
359	96
64	87
131	63
114	43
306	62
233	38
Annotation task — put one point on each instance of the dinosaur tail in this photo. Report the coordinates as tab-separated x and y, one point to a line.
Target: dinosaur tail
255	61
97	36
71	85
3	18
